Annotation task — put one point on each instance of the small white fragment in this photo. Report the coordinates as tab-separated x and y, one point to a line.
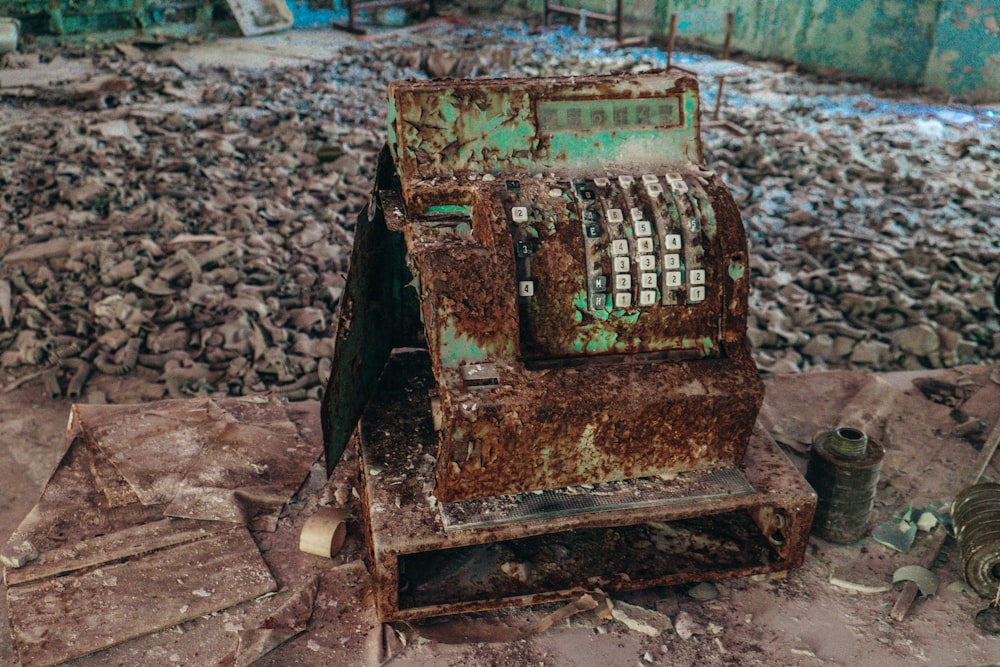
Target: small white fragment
927	522
686	626
202	593
632	624
19	555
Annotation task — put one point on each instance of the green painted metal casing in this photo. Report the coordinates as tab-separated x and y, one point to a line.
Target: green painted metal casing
581	281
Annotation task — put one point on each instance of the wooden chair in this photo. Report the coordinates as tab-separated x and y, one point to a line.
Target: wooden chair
703	23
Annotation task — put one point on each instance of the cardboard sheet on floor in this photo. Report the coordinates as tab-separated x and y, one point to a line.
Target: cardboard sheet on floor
144	523
141	580
232	459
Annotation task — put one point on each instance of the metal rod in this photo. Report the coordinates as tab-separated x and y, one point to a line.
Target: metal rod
670	38
729	35
718	98
620	19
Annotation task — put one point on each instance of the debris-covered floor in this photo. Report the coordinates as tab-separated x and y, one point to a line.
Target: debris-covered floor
183	215
175	221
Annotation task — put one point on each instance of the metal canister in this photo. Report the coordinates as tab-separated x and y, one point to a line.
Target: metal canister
843	469
976	517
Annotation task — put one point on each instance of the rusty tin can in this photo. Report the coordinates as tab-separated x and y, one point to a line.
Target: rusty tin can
843	469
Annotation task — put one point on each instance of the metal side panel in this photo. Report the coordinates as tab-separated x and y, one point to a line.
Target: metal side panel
376	315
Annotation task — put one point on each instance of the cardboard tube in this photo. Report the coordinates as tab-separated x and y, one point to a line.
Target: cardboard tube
324	532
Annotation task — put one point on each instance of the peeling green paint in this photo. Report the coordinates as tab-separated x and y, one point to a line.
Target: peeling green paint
736	269
458	210
498	131
458	349
965	59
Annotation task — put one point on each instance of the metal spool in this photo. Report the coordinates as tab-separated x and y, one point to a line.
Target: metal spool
843	469
976	516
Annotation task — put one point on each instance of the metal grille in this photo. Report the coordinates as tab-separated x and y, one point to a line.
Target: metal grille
625	494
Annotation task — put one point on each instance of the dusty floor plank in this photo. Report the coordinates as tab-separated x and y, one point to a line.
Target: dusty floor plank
64	617
126	543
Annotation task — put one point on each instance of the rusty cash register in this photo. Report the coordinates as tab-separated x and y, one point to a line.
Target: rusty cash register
541	358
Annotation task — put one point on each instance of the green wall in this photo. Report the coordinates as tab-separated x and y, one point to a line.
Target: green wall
952	45
965	55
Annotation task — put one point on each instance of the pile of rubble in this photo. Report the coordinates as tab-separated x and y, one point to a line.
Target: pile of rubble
191	229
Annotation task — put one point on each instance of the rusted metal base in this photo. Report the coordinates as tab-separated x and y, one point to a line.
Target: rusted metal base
428	559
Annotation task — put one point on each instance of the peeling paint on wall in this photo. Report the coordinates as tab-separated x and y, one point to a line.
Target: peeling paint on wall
965	59
953	45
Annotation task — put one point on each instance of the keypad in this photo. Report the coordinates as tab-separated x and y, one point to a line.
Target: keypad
639	254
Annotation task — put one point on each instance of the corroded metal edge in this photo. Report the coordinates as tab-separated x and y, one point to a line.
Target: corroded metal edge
395	443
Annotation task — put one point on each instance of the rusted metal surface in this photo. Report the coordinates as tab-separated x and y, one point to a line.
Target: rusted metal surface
582	286
460	128
976	515
844	467
592	379
420	569
375	315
